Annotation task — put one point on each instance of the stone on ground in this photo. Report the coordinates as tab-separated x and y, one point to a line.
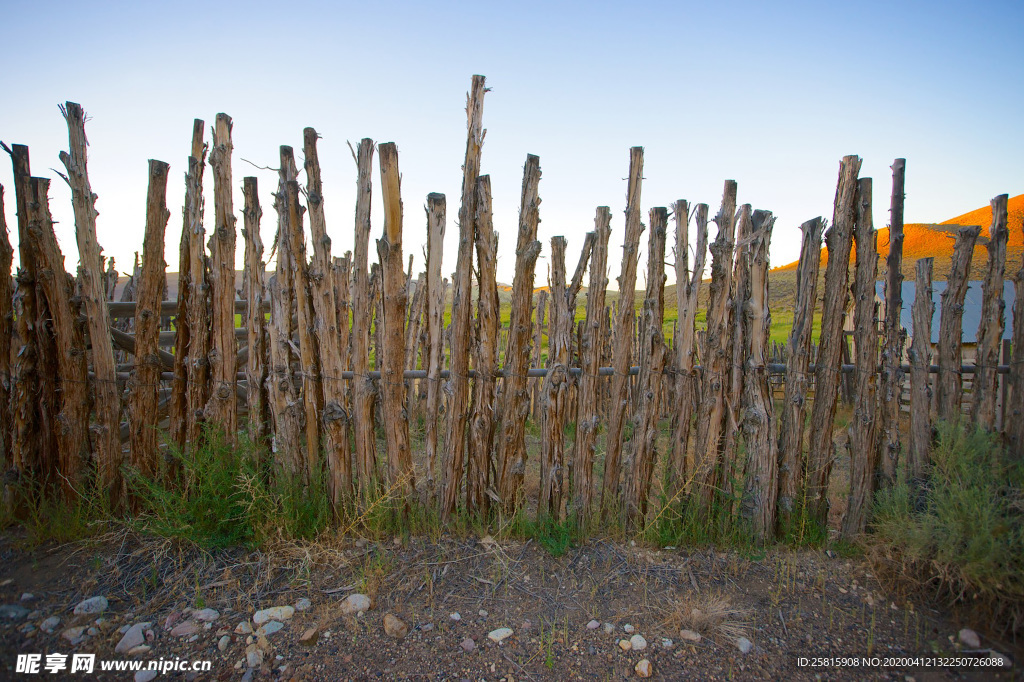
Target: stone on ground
744	645
593	625
273	613
970	638
500	635
395	626
91	606
689	636
644	668
354	604
133	637
638	642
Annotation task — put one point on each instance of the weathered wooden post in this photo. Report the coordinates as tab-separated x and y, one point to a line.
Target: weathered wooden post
990	328
435	209
623	332
538	336
106	429
891	379
1014	422
341	273
486	352
145	381
758	425
590	383
394	292
198	315
362	387
255	320
461	324
798	359
863	432
647	410
221	409
549	503
6	337
686	380
57	286
948	387
920	364
838	240
511	459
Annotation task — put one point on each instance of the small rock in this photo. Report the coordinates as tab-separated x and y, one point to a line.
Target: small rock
643	668
12	612
638	642
249	674
27	596
193	638
362	542
310	636
970	638
92	632
133	637
270	628
468	644
123	629
395	626
483	613
145	675
303	604
253	656
206	615
744	645
689	635
500	635
207	626
455	616
222	643
172	618
150	635
426	627
92	605
186	629
50	624
75	634
355	604
593	625
273	613
139	650
629	629
1002	660
625	644
609	628
243	628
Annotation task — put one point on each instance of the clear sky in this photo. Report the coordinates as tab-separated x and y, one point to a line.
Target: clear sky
769	94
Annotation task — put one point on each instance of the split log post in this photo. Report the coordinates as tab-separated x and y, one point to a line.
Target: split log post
106	428
758	410
713	359
647	409
949	388
394	293
622	354
686	380
485	358
549	503
435	210
6	337
511	460
255	320
58	287
221	410
538	340
457	389
985	385
341	274
198	314
143	386
1014	406
920	363
328	340
798	359
179	385
587	417
838	240
412	327
862	430
362	387
891	379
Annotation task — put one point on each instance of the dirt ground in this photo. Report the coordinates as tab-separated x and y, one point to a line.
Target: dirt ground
788	604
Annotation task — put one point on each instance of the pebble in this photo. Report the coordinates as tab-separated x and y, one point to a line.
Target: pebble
123	629
593	625
249	674
625	644
145	675
273	613
395	626
270	628
666	643
500	635
222	644
206	615
193	638
133	637
744	645
34	615
27	596
303	604
243	628
468	644
629	629
13	612
644	668
426	627
186	629
172	618
253	656
310	636
638	642
970	638
483	613
50	624
139	650
355	604
74	635
609	628
456	616
92	605
690	636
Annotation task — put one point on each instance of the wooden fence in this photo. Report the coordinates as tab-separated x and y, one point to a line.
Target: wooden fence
337	357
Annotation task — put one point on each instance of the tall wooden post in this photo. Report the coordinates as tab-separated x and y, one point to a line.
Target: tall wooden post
549	503
144	384
458	383
106	430
863	431
486	352
990	328
643	451
255	320
838	240
590	384
1014	422
341	273
516	404
686	382
221	410
6	337
920	363
623	332
198	315
948	387
538	334
435	209
798	359
395	292
891	380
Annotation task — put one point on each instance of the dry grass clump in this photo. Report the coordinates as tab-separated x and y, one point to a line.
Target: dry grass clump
708	613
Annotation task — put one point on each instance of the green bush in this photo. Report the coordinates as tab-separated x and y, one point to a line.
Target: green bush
960	533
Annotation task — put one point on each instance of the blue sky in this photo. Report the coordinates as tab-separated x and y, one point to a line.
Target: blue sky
769	94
